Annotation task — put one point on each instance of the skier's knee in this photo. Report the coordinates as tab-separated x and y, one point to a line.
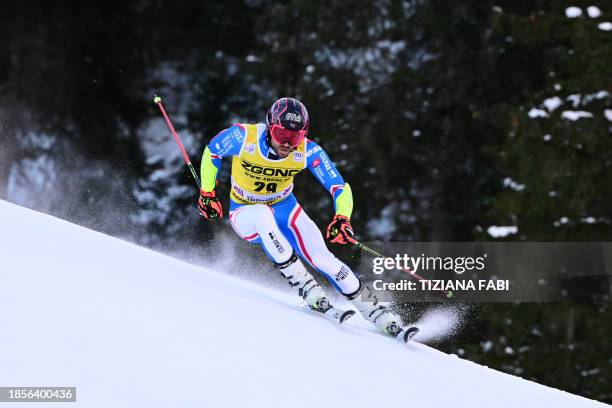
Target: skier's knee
324	259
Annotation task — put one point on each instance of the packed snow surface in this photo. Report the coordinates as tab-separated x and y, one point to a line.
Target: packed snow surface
133	328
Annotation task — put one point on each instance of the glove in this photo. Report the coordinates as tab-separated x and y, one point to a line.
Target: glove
340	231
209	205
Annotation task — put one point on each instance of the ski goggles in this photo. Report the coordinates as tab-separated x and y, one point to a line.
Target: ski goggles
281	135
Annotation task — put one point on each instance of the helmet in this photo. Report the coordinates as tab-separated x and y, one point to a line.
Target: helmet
287	121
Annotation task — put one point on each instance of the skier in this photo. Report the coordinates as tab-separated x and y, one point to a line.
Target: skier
263	209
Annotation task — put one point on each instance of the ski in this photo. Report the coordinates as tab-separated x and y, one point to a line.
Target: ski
338	315
407	334
333	314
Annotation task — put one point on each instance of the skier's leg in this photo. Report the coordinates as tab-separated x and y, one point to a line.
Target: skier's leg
255	223
375	312
306	238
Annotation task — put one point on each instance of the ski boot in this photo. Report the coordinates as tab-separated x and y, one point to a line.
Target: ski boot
374	312
308	289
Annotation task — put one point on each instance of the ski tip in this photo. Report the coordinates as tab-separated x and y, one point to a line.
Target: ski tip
409	333
346	315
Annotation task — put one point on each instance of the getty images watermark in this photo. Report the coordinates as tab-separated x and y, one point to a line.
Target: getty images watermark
489	272
414	265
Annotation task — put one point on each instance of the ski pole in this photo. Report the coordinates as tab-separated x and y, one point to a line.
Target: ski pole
158	101
414	275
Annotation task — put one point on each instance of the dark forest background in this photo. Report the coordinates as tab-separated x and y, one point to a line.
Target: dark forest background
446	117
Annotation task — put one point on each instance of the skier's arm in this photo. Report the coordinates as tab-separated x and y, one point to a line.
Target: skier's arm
226	143
321	166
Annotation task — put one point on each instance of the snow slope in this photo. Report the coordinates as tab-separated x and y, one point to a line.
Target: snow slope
133	328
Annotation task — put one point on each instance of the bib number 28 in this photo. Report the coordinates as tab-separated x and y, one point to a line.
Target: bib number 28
270	187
